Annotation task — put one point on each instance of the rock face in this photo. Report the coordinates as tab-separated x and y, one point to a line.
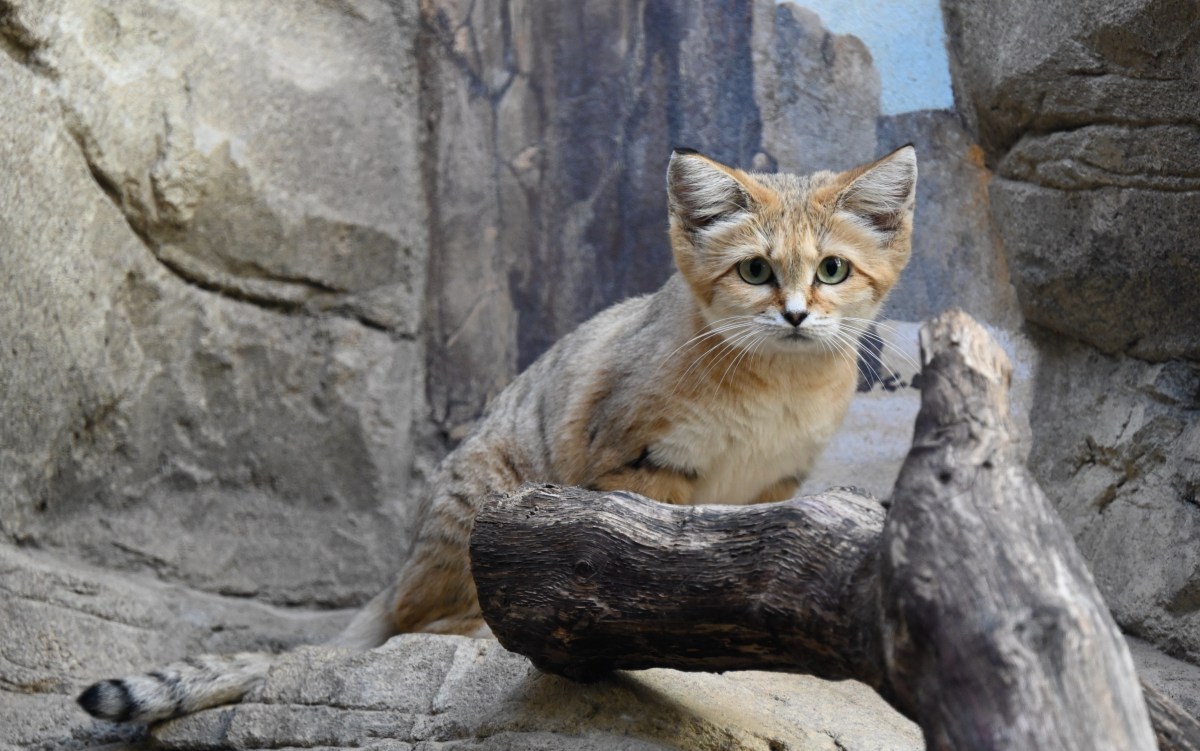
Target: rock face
216	299
1117	443
1088	110
1089	113
426	692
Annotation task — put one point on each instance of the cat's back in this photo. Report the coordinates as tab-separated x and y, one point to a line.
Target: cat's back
590	386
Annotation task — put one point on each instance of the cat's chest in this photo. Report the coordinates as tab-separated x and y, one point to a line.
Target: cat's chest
738	447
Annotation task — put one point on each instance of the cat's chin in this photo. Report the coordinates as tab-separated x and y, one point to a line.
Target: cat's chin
793	342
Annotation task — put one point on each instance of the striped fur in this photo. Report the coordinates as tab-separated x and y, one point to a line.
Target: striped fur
699	393
178	689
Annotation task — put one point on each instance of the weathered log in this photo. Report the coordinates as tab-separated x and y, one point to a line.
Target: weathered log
966	605
612	580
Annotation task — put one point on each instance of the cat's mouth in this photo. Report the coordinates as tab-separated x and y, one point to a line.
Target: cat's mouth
796	335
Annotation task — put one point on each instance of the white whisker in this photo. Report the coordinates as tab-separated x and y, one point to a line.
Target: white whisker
860	327
727	346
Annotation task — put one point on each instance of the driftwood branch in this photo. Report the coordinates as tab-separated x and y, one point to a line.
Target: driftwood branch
966	605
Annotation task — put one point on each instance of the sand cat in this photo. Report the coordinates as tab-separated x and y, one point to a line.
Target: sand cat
721	387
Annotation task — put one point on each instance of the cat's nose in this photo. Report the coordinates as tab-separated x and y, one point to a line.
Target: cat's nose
795	317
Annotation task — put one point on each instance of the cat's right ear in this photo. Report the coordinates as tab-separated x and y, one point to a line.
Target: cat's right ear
703	193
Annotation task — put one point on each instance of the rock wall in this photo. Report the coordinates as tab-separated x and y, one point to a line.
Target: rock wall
215	297
1089	112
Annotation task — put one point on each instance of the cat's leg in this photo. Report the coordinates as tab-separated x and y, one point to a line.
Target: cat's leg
780	491
661	484
434	591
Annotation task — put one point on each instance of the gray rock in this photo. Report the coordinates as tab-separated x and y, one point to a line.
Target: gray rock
1089	109
216	329
817	92
1116	446
1115	267
1177	679
443	692
263	158
1152	157
68	625
1038	67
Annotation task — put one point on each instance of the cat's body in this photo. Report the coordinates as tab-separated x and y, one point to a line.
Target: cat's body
722	387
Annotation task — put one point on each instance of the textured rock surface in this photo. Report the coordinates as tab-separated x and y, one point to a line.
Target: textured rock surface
1117	443
1115	267
179	208
817	92
1089	113
1030	67
446	692
66	625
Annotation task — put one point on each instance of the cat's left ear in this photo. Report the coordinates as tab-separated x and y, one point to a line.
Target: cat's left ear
881	195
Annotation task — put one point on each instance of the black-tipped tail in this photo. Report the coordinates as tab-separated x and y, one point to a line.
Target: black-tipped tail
108	700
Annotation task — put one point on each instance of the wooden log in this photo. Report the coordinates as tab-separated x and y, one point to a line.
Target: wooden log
993	630
584	583
966	606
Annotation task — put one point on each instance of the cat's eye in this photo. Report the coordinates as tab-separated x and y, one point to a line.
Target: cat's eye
833	270
755	270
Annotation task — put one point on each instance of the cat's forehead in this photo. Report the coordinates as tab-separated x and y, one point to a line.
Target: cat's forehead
795	208
794	186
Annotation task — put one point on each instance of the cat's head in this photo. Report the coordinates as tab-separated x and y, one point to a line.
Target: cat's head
788	263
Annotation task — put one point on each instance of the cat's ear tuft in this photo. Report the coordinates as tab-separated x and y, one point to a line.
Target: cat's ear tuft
702	192
882	194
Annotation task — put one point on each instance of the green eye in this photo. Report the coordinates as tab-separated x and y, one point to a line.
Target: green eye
833	270
755	271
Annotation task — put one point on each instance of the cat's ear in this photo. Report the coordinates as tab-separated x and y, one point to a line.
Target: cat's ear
702	193
881	195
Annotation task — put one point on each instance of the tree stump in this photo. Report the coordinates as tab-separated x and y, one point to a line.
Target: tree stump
966	604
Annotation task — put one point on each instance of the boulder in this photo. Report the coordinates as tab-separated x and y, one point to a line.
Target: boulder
1088	113
1115	442
1029	68
455	692
214	297
1116	267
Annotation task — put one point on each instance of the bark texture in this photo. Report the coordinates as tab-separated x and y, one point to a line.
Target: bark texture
966	605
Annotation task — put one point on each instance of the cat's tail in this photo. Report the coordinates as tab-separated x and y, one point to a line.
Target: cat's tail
212	680
177	689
